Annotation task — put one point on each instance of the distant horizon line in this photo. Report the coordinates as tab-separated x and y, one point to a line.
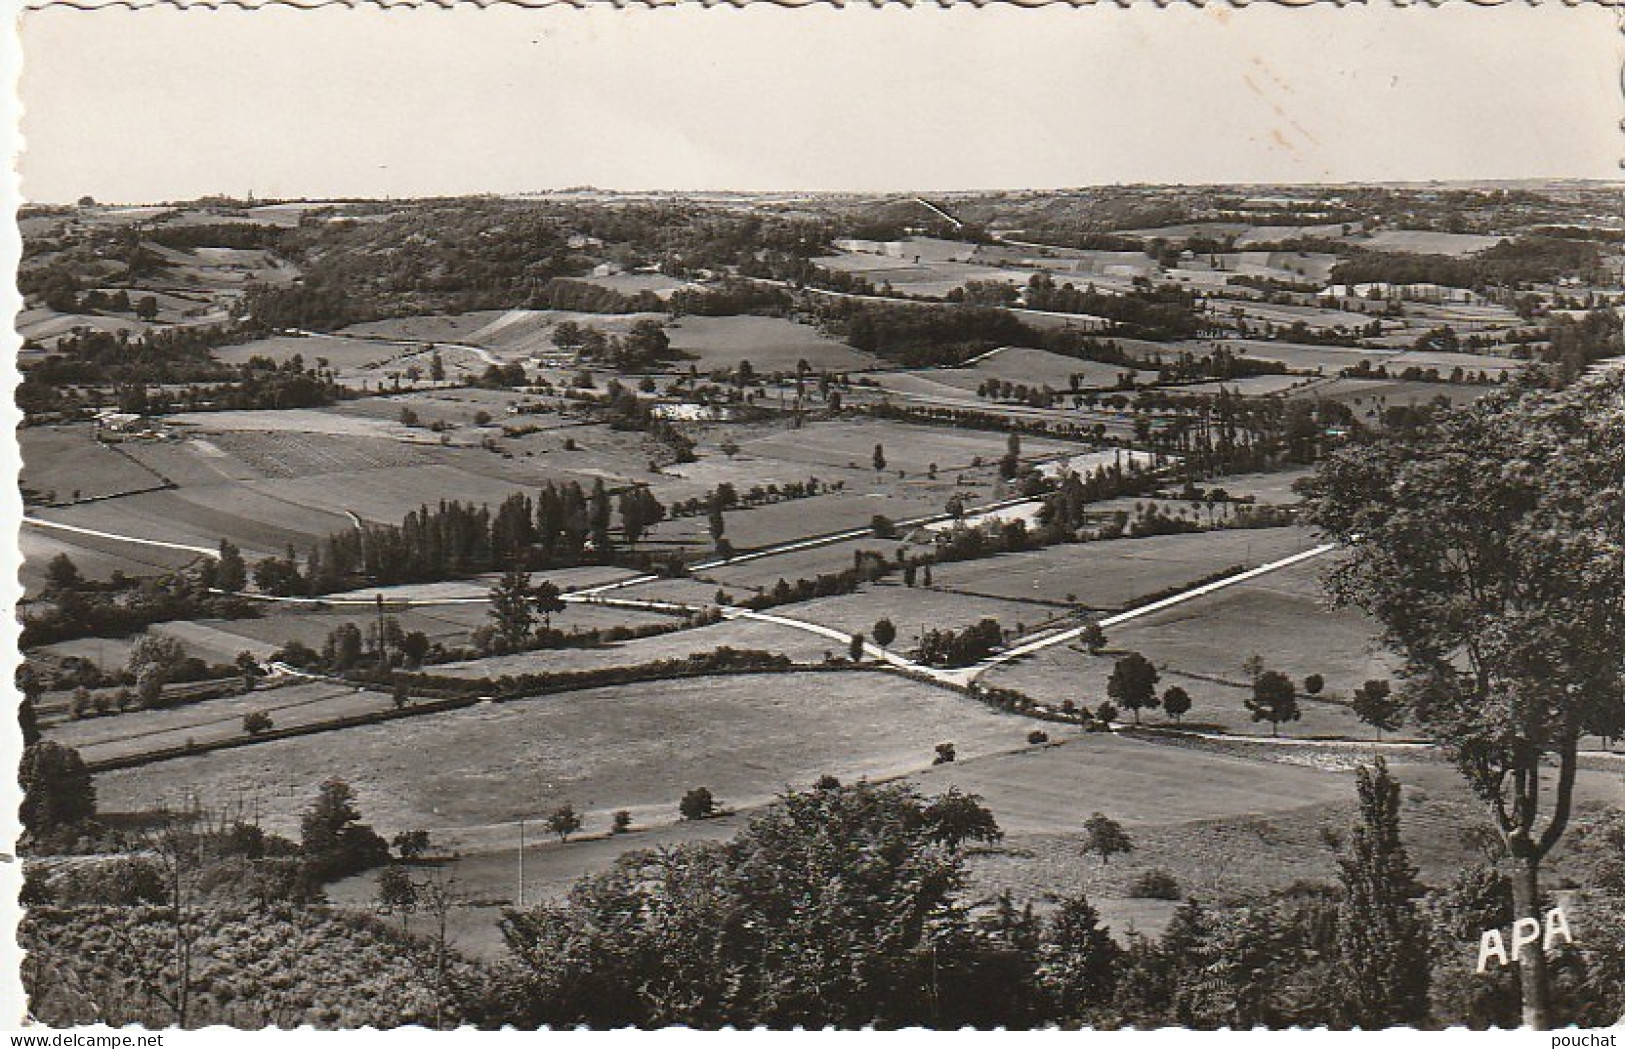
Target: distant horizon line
585	190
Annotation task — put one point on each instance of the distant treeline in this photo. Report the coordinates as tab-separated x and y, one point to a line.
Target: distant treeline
1524	260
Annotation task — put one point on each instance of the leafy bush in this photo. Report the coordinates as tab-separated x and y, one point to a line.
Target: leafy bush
698	804
1156	884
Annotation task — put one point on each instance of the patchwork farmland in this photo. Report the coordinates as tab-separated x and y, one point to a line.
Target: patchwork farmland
975	503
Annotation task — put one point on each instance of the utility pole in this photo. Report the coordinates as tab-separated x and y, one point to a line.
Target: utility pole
383	652
521	864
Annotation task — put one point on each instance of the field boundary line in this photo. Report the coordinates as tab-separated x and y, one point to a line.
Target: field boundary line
39	522
1051	640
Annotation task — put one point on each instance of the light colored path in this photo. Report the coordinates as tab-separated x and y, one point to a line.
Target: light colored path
187	547
1062	637
414	345
858	533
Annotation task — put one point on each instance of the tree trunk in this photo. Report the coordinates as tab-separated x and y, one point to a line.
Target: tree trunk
1532	976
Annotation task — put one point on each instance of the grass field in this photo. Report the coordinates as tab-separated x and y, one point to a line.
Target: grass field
222	640
1251	825
259	521
801	646
431	327
70	462
771	344
906	447
1201	646
1112	573
1020	365
46	326
121	735
1251	386
850	509
95	558
1428	242
914	609
343	355
1365	395
637	747
518	334
632	283
927	276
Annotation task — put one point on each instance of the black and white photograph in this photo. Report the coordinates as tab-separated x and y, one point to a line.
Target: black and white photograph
758	516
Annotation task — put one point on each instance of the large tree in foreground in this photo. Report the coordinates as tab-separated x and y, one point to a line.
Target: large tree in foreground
1490	546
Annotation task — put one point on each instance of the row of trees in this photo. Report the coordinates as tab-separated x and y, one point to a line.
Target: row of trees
563	525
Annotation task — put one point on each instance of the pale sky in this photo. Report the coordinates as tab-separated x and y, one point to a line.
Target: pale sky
164	104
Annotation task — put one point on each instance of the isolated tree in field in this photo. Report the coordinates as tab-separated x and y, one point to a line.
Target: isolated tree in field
1313	685
879	458
1093	638
729	446
1105	837
1010	465
1381	938
411	844
57	790
640	511
697	804
155	650
1106	713
715	522
1376	704
884	632
564	821
62	575
1133	684
1490	545
956	817
945	754
146	307
83	704
568	336
230	571
332	837
621	822
397	894
598	515
1274	699
323	825
256	722
511	612
149	686
854	648
1176	702
437	367
414	647
342	649
546	601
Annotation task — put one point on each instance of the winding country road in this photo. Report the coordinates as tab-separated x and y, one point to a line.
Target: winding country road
959	677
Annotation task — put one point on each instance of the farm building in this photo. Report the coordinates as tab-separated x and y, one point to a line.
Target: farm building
892	249
1436	294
